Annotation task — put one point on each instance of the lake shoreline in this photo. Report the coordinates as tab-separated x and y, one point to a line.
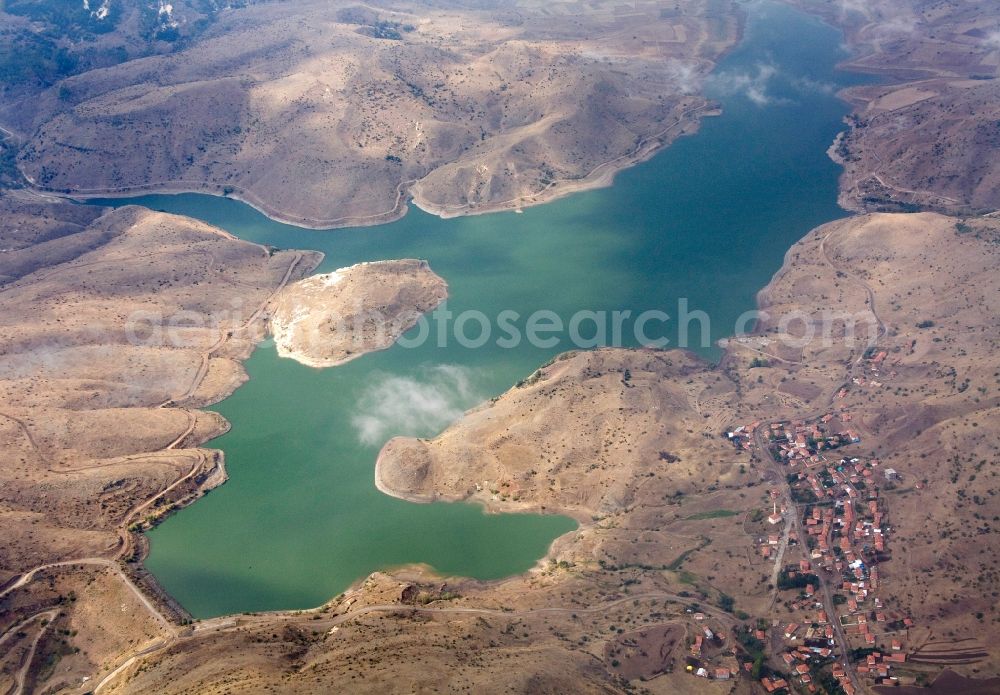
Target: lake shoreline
602	176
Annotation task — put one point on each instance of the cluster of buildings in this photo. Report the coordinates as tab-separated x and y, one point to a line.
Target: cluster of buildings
874	370
742	436
799	441
774	684
842	518
709	639
878	666
803	442
719	674
809	644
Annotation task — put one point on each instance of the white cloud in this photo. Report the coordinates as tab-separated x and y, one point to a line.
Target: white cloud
891	20
848	6
756	84
415	406
993	39
102	11
752	86
684	74
807	84
902	24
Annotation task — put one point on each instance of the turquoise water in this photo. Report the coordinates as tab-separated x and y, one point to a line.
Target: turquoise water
707	220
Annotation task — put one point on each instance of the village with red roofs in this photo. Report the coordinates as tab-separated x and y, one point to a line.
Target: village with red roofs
829	534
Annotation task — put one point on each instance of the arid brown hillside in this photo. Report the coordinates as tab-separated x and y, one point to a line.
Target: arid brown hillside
928	409
584	434
331	113
932	144
926	136
45	41
697	506
117	326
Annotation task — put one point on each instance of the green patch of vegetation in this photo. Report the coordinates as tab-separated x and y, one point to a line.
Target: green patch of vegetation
803	495
713	514
58	648
686	577
860	653
680	559
798	581
66	38
10	177
926	323
385	29
668	457
754	648
758	362
830	684
33	59
531	380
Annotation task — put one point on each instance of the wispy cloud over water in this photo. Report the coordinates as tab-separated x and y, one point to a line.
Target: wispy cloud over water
420	405
684	75
752	85
761	84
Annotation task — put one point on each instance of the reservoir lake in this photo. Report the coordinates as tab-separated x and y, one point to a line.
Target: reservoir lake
707	220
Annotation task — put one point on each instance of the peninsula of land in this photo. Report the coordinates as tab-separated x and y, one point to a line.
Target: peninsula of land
328	319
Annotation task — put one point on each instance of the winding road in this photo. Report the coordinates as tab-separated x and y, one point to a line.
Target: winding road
124	545
234	623
224	336
103	562
22	673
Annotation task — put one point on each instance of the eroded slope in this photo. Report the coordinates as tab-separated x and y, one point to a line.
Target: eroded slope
331	114
926	136
117	326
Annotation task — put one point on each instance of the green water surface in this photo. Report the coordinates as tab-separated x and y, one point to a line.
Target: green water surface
708	220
